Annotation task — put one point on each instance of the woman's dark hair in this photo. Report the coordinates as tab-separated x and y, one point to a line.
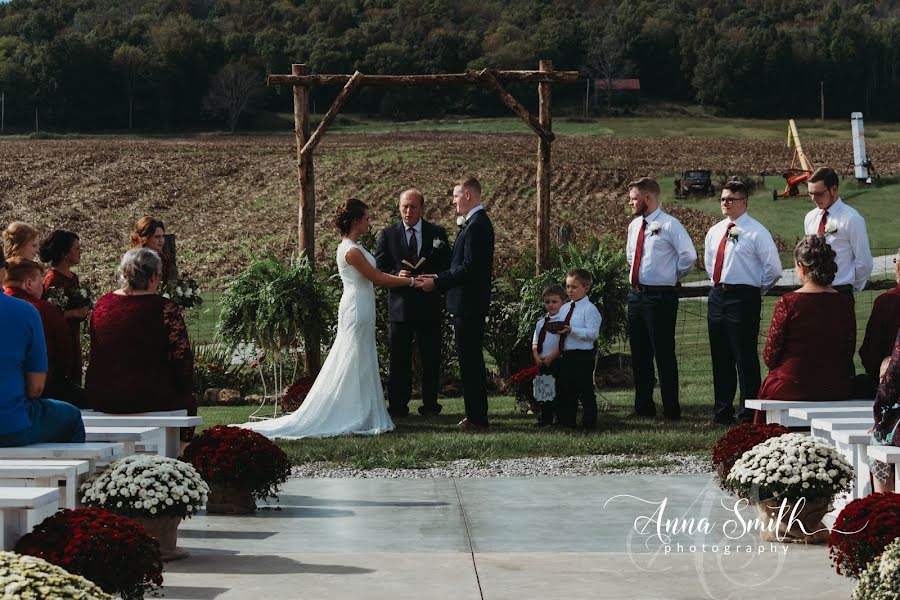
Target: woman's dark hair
143	230
56	246
817	258
348	212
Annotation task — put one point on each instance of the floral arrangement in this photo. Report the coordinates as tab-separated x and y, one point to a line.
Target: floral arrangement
185	293
142	485
114	552
870	523
239	457
734	234
294	396
655	226
32	578
732	445
830	228
881	579
70	298
792	466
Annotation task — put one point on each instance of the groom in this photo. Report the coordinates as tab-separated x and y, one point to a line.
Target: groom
468	287
401	247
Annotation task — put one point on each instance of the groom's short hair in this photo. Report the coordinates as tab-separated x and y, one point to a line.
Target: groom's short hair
471	184
645	185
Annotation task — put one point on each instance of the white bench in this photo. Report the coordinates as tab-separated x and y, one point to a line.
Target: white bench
890	455
93	452
823	428
777	410
808	414
21	508
81	468
44	475
182	412
170	437
853	443
127	436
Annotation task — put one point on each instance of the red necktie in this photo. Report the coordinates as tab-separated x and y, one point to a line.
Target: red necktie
822	222
638	255
720	256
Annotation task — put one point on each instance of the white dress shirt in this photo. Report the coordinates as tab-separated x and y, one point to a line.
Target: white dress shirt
585	324
668	253
473	211
751	258
418	229
551	340
849	241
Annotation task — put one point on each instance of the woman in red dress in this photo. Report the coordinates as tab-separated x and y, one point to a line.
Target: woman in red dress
62	249
151	233
140	356
813	332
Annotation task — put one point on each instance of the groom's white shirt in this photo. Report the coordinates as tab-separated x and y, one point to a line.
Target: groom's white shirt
473	211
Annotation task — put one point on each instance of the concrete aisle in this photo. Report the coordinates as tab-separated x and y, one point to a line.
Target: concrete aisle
494	539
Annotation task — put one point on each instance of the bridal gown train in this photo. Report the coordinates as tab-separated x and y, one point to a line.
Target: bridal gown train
346	397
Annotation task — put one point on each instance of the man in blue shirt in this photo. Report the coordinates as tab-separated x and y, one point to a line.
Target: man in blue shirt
25	417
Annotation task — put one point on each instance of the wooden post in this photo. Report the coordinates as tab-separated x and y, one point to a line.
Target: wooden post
307	211
543	173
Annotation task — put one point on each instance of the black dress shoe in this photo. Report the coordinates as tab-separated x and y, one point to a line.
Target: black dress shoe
430	411
398	413
469	426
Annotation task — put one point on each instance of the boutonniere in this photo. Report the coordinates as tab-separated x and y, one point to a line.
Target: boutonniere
830	228
655	226
734	233
461	221
437	243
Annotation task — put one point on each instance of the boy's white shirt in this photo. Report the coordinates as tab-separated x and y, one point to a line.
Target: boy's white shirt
585	324
551	340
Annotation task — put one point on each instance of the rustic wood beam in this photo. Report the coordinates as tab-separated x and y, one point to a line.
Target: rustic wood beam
332	113
510	102
544	174
435	79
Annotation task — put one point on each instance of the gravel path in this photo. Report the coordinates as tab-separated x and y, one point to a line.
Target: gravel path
604	464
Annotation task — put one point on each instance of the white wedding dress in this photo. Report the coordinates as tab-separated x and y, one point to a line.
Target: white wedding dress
347	397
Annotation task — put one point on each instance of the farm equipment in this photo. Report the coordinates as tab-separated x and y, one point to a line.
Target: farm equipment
799	171
863	169
697	182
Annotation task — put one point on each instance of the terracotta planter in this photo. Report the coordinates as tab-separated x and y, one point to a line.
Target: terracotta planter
165	529
226	499
789	531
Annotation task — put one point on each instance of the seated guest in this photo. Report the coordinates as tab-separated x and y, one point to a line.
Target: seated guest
23	281
887	420
25	417
813	333
20	240
151	233
62	250
140	356
882	328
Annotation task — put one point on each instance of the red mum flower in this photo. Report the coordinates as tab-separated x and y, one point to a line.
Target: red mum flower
732	445
870	524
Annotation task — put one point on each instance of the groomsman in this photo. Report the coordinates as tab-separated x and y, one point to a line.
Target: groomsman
660	253
412	312
742	262
843	228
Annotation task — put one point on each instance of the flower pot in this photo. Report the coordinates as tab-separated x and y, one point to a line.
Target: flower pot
226	499
165	530
789	530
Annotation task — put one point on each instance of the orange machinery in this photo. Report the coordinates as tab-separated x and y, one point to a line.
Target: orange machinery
799	171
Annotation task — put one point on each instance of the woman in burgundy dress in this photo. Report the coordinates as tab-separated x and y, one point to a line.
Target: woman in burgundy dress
140	357
62	250
151	233
887	420
813	332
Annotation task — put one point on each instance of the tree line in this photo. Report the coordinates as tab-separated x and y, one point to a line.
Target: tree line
164	65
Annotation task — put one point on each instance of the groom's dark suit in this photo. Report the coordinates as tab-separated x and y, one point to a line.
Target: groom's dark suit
413	312
468	287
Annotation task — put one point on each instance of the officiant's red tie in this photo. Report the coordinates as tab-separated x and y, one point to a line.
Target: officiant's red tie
720	256
638	255
413	245
822	222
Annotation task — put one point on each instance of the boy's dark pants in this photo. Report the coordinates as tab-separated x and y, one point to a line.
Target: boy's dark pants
576	384
548	409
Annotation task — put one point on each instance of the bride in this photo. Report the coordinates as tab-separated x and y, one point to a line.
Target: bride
346	397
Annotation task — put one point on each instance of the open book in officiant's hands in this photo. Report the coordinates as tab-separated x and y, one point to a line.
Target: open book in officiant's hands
414	267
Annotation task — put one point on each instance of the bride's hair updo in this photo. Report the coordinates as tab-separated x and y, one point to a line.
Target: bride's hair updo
348	212
817	258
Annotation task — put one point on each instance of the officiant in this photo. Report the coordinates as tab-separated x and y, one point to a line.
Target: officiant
409	248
